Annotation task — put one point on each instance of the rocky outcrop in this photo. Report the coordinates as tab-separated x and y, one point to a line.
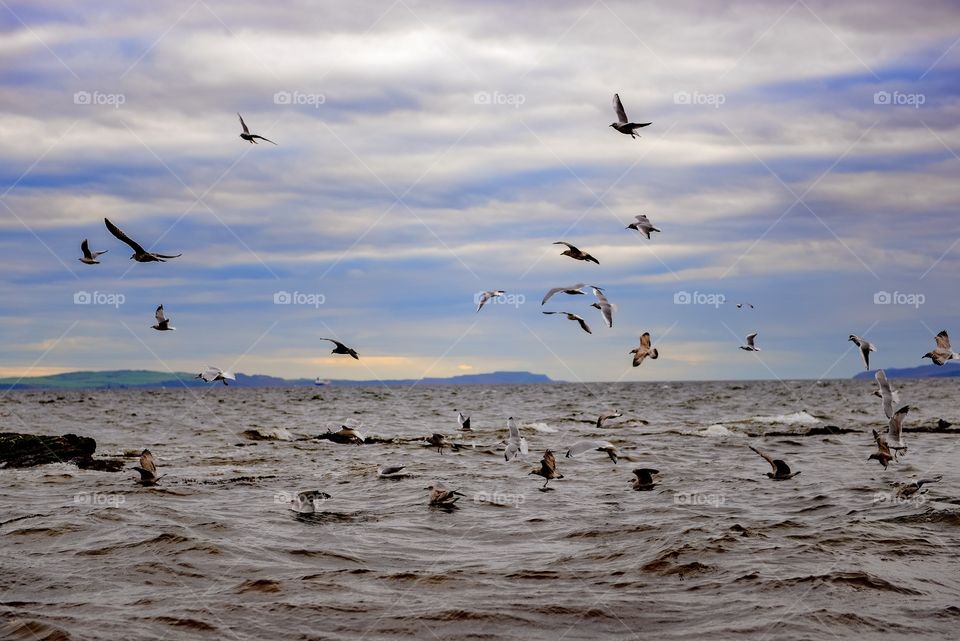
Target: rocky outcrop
28	450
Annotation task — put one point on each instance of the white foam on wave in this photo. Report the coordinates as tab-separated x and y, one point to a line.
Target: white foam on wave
541	427
718	429
797	418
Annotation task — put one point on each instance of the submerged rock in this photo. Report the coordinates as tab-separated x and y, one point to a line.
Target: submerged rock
29	450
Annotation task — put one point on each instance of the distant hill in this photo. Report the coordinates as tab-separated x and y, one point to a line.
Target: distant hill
950	370
146	379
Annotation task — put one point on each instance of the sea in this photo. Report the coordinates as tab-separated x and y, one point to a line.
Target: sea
716	550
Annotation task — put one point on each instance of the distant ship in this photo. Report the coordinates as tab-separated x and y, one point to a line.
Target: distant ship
321	382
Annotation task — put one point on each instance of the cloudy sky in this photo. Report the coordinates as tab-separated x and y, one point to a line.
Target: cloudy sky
802	157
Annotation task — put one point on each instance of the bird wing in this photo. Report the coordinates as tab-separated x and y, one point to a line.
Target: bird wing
618	107
159	315
262	138
750	338
549	461
335	342
512	448
583	323
881	442
211	373
943	341
886	393
560	242
116	231
645	340
768	459
638	355
243	124
781	468
514	430
483	300
581	447
896	423
550	294
85	249
147	464
645	475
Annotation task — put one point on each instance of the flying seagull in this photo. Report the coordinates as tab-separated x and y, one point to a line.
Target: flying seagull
865	349
895	430
906	490
485	296
139	253
575	253
740	305
391	471
643	225
572	290
442	497
750	347
781	471
308	502
644	481
944	352
547	468
213	374
581	447
89	257
516	444
463	421
606	417
886	393
249	137
640	353
623	125
341	348
606	309
882	455
147	469
163	323
574	317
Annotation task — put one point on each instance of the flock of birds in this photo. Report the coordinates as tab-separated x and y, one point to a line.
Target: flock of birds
890	444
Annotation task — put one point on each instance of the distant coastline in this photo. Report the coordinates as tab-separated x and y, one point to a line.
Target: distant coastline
921	371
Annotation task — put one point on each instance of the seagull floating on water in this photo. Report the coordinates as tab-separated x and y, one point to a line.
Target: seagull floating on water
645	350
606	309
547	468
644	479
606	417
485	296
572	290
865	349
944	352
575	253
781	471
249	137
391	471
90	257
574	317
643	225
147	469
139	253
308	502
340	348
623	125
581	447
213	374
163	323
442	497
750	347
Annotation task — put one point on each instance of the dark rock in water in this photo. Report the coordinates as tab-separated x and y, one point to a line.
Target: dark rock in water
942	427
28	450
942	424
812	431
347	439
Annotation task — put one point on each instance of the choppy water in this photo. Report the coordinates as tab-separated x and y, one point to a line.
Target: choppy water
716	551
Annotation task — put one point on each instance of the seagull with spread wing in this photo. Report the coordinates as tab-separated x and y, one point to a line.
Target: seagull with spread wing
547	468
572	290
882	455
574	317
643	225
147	469
865	349
581	447
485	296
623	124
516	443
750	346
606	309
89	257
781	471
213	374
645	350
944	352
139	253
340	348
644	479
887	394
249	137
163	323
575	253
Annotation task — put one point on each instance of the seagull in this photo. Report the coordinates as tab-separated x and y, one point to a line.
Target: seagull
485	296
341	348
607	417
391	471
147	469
442	497
547	468
887	393
623	125
308	502
249	137
895	430
580	447
350	435
944	352
463	421
781	471
163	323
572	290
575	253
516	444
740	305
750	347
213	374
89	257
644	481
640	353
606	309
643	225
865	349
139	253
906	490
439	441
574	317
882	455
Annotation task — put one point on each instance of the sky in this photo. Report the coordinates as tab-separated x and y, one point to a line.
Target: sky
803	158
